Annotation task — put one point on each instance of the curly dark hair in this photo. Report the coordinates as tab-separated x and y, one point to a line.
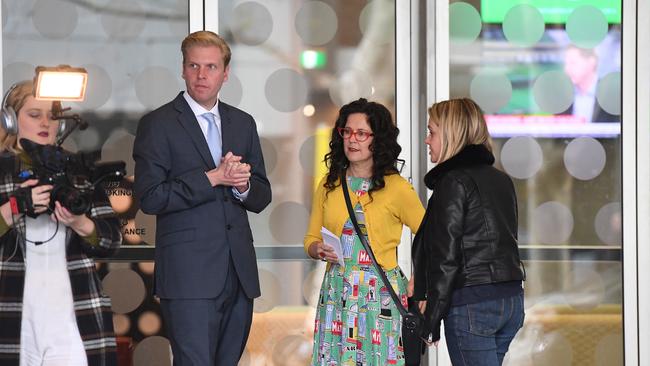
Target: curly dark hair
384	146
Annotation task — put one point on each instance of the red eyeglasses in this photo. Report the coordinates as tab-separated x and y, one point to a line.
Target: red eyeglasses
360	135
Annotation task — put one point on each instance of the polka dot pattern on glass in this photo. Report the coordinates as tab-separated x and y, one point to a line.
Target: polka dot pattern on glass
521	157
119	146
155	86
251	23
289	222
123	20
88	139
584	158
98	89
260	224
129	232
126	289
523	25
491	90
608	93
376	21
586	26
120	201
231	92
271	292
55	19
464	23
16	72
553	91
153	350
306	155
316	23
270	155
121	324
149	323
552	223
609	224
286	90
145	226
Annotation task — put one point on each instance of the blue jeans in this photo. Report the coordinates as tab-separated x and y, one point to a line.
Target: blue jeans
480	334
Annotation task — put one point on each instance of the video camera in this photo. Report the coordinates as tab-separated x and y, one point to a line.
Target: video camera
57	167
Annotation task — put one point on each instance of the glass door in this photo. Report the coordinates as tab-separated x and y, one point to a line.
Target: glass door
548	76
294	64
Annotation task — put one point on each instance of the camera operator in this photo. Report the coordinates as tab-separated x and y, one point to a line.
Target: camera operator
52	307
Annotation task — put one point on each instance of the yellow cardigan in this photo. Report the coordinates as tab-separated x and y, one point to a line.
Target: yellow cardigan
391	207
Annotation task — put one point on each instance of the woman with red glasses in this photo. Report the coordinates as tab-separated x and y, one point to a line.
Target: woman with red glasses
357	321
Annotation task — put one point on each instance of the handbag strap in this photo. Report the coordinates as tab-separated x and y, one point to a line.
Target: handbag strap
366	245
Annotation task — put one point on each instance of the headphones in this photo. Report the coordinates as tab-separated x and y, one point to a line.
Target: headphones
9	119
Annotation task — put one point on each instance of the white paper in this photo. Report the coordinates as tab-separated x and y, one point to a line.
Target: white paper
333	241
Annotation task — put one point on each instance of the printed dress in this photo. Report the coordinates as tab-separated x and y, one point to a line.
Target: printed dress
357	322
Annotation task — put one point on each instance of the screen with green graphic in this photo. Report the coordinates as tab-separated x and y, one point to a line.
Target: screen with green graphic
553	11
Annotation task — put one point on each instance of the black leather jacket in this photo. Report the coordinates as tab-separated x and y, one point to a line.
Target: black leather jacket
469	232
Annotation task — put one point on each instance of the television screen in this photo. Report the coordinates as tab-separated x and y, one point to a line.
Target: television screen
553	11
552	89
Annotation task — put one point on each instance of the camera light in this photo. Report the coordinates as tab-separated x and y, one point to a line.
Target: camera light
60	83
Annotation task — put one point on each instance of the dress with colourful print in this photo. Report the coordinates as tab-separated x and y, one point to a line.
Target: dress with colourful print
357	322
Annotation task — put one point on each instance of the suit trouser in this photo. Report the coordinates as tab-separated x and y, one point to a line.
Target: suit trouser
211	331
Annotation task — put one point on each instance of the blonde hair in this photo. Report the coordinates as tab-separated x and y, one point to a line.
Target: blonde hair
461	123
16	100
206	39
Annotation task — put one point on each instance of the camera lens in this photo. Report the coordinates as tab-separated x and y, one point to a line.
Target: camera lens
71	198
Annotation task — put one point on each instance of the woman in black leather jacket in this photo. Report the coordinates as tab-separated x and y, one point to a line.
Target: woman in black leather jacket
467	267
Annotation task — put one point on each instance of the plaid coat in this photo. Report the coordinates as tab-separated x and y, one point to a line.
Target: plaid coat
92	307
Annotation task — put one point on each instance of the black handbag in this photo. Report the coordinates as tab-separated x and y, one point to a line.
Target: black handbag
412	319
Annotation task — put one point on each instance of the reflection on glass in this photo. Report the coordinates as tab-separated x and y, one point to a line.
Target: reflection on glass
152	351
318	56
130	50
558	133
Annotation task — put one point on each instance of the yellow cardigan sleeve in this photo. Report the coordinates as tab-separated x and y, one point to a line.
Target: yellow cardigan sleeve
411	211
316	217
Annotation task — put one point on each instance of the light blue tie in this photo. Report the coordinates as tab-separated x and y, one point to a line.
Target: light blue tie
214	138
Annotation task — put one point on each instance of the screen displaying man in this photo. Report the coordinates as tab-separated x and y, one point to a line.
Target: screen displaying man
581	66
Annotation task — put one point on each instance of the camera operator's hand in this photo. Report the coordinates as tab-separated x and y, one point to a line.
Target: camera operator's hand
81	224
40	195
40	200
231	172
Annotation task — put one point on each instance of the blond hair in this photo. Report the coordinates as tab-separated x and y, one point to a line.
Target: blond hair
206	39
461	123
16	100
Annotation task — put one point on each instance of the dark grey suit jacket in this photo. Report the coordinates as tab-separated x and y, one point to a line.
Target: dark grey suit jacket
198	227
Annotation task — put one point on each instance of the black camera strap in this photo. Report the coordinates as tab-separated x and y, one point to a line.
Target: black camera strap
366	245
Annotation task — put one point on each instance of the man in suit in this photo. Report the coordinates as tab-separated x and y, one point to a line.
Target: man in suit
199	169
581	65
